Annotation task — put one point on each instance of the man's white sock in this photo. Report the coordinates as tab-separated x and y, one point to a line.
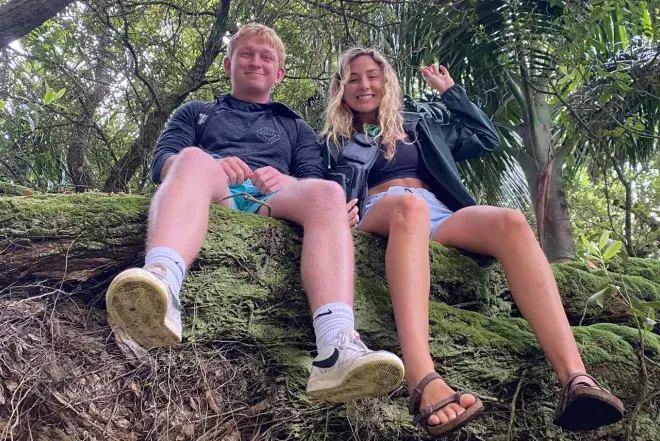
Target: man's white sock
176	267
329	319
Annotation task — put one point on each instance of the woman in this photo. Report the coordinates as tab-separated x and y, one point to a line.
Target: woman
415	193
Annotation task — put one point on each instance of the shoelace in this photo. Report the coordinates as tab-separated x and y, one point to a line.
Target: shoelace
345	338
160	274
250	198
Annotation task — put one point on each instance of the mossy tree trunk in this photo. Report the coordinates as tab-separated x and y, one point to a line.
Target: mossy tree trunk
242	369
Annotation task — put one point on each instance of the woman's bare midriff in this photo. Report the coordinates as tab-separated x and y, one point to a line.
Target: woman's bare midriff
399	182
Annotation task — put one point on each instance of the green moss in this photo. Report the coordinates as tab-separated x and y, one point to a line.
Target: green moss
452	326
646	268
244	294
374	316
473	282
7	189
631	336
576	285
69	215
458	279
600	346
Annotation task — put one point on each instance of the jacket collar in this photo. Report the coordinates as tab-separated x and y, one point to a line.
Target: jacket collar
410	120
275	106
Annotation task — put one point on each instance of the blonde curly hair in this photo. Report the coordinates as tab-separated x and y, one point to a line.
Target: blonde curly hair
340	120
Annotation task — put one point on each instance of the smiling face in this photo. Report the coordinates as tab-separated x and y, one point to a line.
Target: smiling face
254	67
364	89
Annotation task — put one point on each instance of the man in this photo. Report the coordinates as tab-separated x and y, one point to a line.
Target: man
246	143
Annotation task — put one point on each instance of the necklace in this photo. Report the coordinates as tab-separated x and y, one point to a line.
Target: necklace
372	130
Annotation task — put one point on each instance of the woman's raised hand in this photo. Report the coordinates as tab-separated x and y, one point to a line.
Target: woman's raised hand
437	77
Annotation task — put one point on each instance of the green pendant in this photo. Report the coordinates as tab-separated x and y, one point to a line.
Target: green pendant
372	130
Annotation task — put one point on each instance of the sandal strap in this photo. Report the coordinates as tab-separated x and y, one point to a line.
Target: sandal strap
425	414
416	395
569	382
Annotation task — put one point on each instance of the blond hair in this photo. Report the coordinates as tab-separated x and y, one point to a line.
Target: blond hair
339	118
261	33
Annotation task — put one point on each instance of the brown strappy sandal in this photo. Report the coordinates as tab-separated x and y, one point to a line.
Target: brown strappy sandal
586	407
421	416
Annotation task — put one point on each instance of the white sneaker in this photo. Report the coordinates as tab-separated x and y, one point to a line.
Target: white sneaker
347	370
142	303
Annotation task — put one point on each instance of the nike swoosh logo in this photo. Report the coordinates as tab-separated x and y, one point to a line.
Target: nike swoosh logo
322	314
328	362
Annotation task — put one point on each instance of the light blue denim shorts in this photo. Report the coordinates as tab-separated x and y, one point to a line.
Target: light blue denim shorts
439	211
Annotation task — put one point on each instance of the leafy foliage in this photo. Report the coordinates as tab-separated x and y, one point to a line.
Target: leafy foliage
573	82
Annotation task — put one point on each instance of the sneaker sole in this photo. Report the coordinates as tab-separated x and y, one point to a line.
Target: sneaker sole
138	304
374	377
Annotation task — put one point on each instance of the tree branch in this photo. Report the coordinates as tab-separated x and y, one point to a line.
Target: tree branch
19	17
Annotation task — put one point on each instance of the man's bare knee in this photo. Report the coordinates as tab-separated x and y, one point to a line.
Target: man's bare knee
323	195
195	162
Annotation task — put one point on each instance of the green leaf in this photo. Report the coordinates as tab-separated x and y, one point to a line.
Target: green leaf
60	93
618	131
590	245
2	104
623	86
49	97
570	160
602	295
604	98
650	322
652	305
603	239
612	250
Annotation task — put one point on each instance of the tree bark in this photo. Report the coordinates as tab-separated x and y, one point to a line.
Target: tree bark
137	154
18	17
559	244
98	235
620	173
628	223
244	363
543	169
83	126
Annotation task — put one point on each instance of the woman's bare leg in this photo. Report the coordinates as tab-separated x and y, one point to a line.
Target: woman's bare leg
404	219
505	234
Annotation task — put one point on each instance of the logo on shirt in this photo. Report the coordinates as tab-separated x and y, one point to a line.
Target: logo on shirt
268	135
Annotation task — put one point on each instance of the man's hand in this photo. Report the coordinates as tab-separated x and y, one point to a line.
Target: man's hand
269	180
237	170
438	78
353	215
